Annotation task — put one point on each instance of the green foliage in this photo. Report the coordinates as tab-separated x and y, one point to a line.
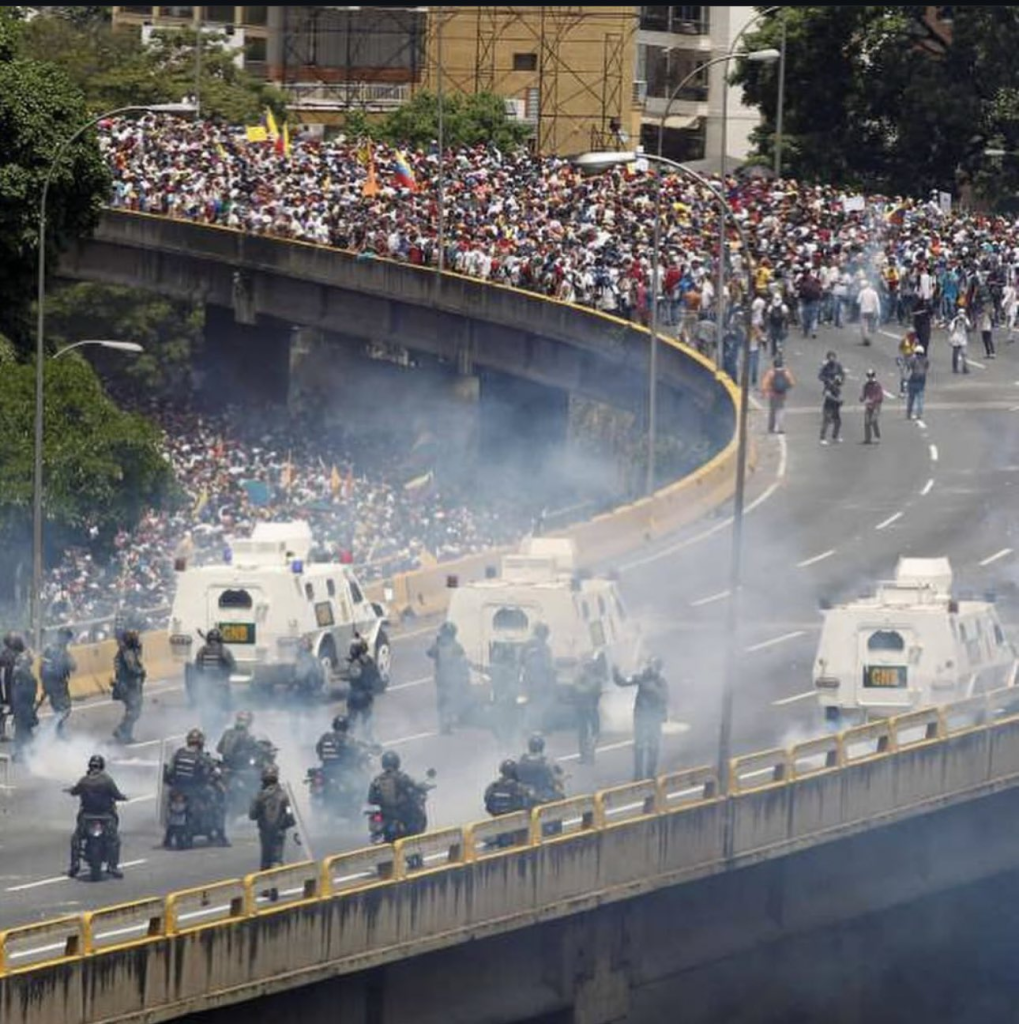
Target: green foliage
40	109
170	332
102	467
868	106
467	121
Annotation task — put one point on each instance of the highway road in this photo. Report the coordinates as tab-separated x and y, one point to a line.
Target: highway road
823	522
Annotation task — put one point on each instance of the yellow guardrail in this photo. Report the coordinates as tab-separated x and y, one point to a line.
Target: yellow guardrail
339	876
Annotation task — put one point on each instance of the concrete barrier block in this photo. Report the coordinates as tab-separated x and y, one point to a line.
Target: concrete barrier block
564	817
499	887
285	886
689	786
205	905
690	837
814	756
498	835
760	819
625	803
431	851
567	866
125	924
815	804
346	872
49	942
631	850
760	770
118	982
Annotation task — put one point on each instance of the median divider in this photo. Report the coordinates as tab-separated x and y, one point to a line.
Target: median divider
759	771
686	787
358	870
917	727
284	886
192	909
497	835
125	924
626	803
37	945
564	818
875	739
430	851
814	756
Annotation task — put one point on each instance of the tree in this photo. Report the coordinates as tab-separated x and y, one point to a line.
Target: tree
39	110
169	330
103	467
468	119
871	103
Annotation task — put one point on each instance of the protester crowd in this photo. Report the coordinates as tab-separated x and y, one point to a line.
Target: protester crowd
537	223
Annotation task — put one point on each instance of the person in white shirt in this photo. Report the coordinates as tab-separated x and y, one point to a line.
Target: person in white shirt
870	311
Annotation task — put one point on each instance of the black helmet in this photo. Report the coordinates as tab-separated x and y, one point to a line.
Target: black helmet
97	763
270	773
508	769
17	643
65	635
536	744
214	636
341	723
244	719
871	374
390	760
196	738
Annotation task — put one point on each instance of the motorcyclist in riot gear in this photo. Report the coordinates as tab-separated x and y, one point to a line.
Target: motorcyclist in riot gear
540	775
24	691
129	678
99	795
57	666
507	793
237	744
650	710
214	664
400	799
195	774
364	684
452	676
271	811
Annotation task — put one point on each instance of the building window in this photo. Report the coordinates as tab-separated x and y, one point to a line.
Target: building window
221	15
254	49
525	62
177	12
693	21
255	15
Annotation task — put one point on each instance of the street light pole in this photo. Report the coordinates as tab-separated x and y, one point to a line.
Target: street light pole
442	149
781	97
40	349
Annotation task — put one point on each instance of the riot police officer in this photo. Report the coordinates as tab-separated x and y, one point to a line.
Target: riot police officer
237	744
214	664
24	691
538	676
400	799
540	775
98	794
452	676
507	793
194	773
8	656
129	678
650	709
272	813
57	667
364	683
340	752
587	689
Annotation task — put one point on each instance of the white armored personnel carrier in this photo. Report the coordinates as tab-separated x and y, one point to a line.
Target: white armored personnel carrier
910	645
268	598
540	584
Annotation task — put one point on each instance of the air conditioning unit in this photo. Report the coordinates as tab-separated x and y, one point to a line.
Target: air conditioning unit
639	93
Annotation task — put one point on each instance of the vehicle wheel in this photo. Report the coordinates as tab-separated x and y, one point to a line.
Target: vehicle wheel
383	657
96	870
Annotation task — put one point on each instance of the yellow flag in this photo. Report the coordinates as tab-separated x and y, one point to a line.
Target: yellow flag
270	124
256	133
334	481
286	139
203	500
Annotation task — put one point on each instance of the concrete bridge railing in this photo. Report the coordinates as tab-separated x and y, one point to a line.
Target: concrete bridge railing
161	958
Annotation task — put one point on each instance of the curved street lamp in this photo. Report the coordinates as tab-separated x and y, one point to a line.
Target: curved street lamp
593	163
120	346
40	352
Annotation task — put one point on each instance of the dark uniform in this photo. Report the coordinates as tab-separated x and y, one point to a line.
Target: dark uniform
214	664
538	676
271	812
400	799
339	753
650	710
98	794
57	667
540	775
24	693
129	677
364	682
195	774
452	676
508	794
587	690
236	746
7	658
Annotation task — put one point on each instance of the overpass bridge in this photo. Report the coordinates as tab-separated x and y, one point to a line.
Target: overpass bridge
646	890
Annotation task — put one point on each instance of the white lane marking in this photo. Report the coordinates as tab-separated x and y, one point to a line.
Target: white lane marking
413	633
817	558
775	641
140	799
410	739
720	596
934	453
888	394
166	687
927	487
973	362
998	554
794	698
406	686
1013	408
657	556
64	878
598	750
888	522
920	423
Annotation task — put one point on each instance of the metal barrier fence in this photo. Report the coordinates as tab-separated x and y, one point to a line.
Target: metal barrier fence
993	718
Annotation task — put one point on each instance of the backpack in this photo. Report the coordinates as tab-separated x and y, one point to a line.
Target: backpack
776	316
780	381
500	799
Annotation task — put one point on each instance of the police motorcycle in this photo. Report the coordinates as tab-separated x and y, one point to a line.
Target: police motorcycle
194	810
244	781
93	845
339	794
383	828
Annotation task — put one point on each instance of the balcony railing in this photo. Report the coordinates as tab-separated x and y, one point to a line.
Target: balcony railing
344	95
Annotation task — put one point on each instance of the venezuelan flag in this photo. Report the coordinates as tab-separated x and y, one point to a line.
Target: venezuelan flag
404	175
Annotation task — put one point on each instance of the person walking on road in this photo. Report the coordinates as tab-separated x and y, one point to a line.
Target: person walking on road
56	670
128	680
870	311
650	710
958	337
917	384
831	411
777	383
872	397
271	812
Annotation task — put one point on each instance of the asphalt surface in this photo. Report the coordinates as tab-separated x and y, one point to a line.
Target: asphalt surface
822	522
